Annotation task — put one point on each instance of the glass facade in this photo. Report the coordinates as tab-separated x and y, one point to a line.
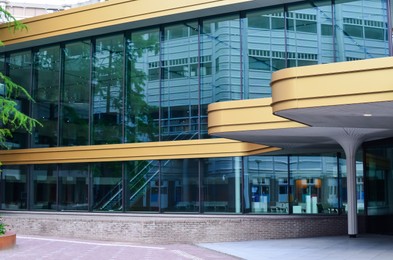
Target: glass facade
265	49
14	187
107	187
378	157
107	91
154	84
307	184
72	187
46	74
379	176
17	67
142	92
75	94
43	186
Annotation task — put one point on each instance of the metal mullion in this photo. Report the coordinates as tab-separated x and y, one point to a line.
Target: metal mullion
61	96
339	184
242	16
124	88
58	168
30	91
285	35
242	187
90	188
160	76
123	183
159	186
389	14
199	128
289	191
200	180
334	36
29	183
365	188
91	71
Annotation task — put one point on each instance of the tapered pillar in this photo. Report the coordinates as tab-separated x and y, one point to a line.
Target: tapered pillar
350	142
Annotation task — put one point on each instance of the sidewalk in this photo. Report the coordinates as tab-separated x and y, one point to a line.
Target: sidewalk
34	248
365	247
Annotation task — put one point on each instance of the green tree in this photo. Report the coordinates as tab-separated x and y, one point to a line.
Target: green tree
11	118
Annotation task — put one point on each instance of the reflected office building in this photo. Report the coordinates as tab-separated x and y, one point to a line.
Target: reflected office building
207	121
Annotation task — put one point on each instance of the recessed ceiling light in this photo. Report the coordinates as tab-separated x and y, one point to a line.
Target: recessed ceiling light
367	115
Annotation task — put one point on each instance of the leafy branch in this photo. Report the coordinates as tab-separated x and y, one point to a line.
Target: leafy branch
11	118
13	23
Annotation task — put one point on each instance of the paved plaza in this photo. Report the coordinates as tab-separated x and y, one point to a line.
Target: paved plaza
365	247
34	247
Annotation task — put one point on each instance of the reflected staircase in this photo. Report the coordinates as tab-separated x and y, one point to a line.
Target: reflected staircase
112	201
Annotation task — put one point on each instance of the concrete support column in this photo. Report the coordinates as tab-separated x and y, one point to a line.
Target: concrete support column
350	144
237	184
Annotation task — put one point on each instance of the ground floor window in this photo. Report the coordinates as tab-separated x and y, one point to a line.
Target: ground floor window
312	184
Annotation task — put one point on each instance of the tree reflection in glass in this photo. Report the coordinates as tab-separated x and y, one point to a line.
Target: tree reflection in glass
107	90
142	90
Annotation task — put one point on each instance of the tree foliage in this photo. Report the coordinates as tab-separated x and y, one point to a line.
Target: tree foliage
13	24
11	118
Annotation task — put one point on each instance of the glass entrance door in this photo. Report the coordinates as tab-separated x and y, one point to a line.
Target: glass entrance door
379	188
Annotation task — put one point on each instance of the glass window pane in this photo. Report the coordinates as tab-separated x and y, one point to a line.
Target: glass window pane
221	185
2	63
142	186
107	186
73	187
13	187
179	94
108	90
46	95
266	47
361	29
268	189
316	184
143	86
308	44
43	186
374	33
220	46
180	189
76	95
378	179
19	71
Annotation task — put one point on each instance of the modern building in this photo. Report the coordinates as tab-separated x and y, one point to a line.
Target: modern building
203	121
22	9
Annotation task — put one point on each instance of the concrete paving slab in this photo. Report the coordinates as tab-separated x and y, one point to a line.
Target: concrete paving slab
35	247
364	247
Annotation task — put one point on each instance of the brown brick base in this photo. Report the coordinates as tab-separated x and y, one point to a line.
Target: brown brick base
165	228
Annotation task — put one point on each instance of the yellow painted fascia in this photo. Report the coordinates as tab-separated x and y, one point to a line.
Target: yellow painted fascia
206	148
245	115
104	14
343	83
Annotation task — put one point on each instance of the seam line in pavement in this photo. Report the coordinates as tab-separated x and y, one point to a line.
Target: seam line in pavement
186	255
90	243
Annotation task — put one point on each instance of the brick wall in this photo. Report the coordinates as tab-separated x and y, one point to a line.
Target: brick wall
172	228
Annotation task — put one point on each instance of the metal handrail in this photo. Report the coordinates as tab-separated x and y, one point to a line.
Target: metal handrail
133	179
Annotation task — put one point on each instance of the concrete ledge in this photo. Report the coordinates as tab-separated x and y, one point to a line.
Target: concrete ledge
165	228
7	240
